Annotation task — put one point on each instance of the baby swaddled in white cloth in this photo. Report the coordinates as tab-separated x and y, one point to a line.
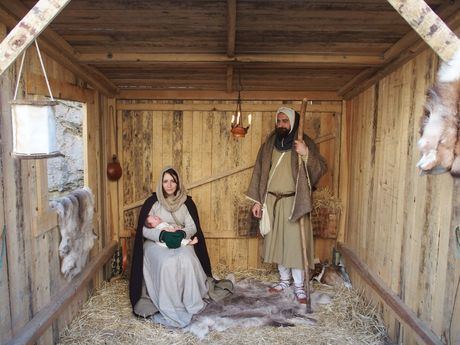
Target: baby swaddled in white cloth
157	223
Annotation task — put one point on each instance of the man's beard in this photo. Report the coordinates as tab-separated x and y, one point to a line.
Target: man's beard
282	132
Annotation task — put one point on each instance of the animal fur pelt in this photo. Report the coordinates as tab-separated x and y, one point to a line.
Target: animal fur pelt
251	305
440	136
75	213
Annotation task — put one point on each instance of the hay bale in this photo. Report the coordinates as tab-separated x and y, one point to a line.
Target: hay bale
325	214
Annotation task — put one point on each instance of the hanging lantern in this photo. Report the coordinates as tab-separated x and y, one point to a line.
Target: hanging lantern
34	129
34	124
237	129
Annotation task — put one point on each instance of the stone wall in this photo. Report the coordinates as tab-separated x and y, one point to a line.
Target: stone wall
66	173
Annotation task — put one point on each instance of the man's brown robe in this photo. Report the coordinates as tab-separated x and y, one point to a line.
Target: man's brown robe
316	165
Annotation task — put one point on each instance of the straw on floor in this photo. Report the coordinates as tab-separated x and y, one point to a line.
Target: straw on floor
106	318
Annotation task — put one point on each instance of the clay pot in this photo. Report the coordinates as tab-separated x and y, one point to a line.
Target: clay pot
114	169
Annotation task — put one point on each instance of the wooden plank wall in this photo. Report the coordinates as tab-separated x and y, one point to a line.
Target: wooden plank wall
402	224
199	144
30	272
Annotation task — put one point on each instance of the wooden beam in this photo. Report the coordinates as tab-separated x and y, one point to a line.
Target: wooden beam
231	27
19	10
86	73
315	107
230	78
360	77
97	58
222	95
404	56
323	138
411	38
31	332
403	312
28	29
389	68
219	176
36	85
58	49
198	183
429	26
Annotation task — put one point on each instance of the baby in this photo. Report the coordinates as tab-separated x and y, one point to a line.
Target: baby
157	222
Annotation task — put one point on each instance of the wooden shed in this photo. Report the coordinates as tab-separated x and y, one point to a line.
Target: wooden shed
160	80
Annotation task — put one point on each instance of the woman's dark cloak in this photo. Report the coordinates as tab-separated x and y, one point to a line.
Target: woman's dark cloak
137	275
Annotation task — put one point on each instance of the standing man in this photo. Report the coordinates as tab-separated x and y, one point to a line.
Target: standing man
278	183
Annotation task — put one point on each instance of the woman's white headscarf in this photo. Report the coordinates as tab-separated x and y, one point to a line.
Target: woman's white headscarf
171	203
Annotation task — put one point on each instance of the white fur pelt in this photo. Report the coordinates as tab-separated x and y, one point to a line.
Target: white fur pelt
440	136
251	305
75	213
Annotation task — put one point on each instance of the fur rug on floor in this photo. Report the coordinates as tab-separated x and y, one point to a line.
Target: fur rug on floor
251	305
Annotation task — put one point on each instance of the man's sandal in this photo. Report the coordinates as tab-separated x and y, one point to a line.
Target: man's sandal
279	287
300	295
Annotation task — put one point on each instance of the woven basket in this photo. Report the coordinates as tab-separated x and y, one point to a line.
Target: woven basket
325	222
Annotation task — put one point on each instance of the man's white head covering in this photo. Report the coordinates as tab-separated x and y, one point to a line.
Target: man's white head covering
290	113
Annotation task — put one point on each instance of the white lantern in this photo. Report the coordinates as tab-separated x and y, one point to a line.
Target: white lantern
34	124
34	129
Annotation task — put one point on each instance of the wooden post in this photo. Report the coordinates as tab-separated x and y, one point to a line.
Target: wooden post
303	238
429	26
28	29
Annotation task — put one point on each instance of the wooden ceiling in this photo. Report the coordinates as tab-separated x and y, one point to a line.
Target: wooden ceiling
262	45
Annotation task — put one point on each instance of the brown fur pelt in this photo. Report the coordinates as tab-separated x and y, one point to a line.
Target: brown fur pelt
440	138
75	213
251	305
332	275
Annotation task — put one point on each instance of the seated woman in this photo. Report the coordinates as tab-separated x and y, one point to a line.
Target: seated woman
169	282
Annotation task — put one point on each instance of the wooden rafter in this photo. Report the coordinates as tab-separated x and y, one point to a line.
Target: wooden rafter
359	78
58	49
28	29
411	38
95	58
429	26
223	95
231	27
334	107
231	39
402	51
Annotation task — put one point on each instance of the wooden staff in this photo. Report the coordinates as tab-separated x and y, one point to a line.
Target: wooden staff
303	238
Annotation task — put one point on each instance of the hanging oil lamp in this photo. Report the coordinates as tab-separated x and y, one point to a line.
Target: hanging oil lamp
238	130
